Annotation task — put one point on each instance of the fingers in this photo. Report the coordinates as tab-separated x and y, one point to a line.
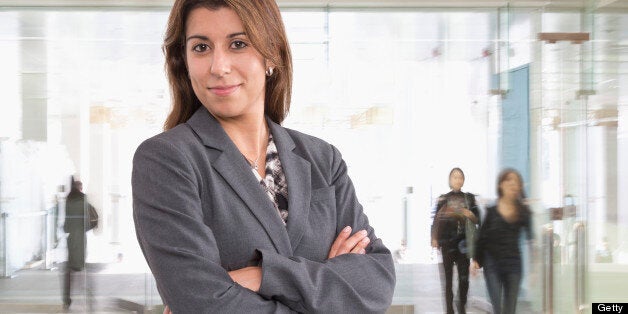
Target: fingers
344	234
347	243
360	247
167	310
350	243
473	270
248	277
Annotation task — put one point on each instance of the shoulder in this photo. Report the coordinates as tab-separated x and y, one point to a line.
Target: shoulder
311	142
313	148
325	160
525	211
491	210
179	138
444	197
175	147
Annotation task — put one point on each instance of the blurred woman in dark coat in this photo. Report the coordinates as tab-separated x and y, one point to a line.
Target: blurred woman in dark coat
449	234
77	222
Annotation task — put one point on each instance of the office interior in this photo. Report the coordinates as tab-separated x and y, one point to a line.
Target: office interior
406	90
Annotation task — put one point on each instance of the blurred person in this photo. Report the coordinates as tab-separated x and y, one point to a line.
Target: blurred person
233	212
455	211
80	217
498	242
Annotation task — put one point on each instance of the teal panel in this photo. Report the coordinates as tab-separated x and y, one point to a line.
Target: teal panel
515	137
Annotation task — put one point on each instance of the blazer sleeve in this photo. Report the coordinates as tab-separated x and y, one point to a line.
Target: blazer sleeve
349	283
434	230
180	249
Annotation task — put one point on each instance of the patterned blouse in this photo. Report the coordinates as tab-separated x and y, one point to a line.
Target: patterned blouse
274	182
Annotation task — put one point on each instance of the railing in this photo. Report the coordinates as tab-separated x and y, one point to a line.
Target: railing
548	295
579	267
7	271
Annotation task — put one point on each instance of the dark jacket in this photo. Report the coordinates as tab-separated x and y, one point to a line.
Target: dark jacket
500	239
200	212
76	224
450	231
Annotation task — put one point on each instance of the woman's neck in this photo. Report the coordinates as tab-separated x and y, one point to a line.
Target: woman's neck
249	134
505	200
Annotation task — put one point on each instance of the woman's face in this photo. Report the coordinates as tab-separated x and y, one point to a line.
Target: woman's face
227	73
456	180
511	186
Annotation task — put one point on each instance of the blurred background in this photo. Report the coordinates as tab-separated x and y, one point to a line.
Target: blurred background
406	90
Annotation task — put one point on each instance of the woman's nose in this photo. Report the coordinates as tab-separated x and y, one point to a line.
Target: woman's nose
220	64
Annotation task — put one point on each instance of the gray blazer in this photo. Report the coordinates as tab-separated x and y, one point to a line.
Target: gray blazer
200	212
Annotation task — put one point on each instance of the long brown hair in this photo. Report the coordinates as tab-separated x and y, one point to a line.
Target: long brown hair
503	176
264	27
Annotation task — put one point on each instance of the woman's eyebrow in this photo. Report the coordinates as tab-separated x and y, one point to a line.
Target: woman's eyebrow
202	37
236	34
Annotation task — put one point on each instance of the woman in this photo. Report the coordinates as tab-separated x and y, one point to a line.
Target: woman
235	213
498	242
80	217
449	234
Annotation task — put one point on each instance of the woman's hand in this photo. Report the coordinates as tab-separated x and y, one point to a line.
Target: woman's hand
347	243
474	267
435	244
469	214
251	277
248	277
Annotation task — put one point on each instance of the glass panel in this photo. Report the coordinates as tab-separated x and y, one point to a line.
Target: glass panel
581	157
607	156
404	94
564	142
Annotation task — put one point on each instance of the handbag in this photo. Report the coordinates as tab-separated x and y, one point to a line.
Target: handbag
471	231
93	217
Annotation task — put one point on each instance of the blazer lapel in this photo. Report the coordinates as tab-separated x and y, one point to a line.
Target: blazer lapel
232	166
298	177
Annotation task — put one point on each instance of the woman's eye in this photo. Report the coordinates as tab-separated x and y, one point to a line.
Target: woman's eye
238	44
200	47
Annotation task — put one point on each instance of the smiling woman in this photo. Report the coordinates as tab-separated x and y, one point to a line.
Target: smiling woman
252	215
227	73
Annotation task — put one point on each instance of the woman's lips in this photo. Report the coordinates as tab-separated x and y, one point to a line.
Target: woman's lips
224	90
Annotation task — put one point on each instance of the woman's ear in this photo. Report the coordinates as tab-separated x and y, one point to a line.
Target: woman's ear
270	64
270	67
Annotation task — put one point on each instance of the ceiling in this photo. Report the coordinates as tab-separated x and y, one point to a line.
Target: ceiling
605	4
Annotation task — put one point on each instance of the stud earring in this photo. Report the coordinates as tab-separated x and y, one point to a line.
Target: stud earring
269	72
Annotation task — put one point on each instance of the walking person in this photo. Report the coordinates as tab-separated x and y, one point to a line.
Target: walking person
498	242
80	217
455	212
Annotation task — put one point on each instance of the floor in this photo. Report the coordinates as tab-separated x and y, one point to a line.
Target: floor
115	291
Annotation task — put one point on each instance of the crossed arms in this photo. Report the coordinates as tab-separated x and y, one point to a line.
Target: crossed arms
183	254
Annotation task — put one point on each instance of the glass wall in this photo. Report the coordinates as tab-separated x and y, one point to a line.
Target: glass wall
405	94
